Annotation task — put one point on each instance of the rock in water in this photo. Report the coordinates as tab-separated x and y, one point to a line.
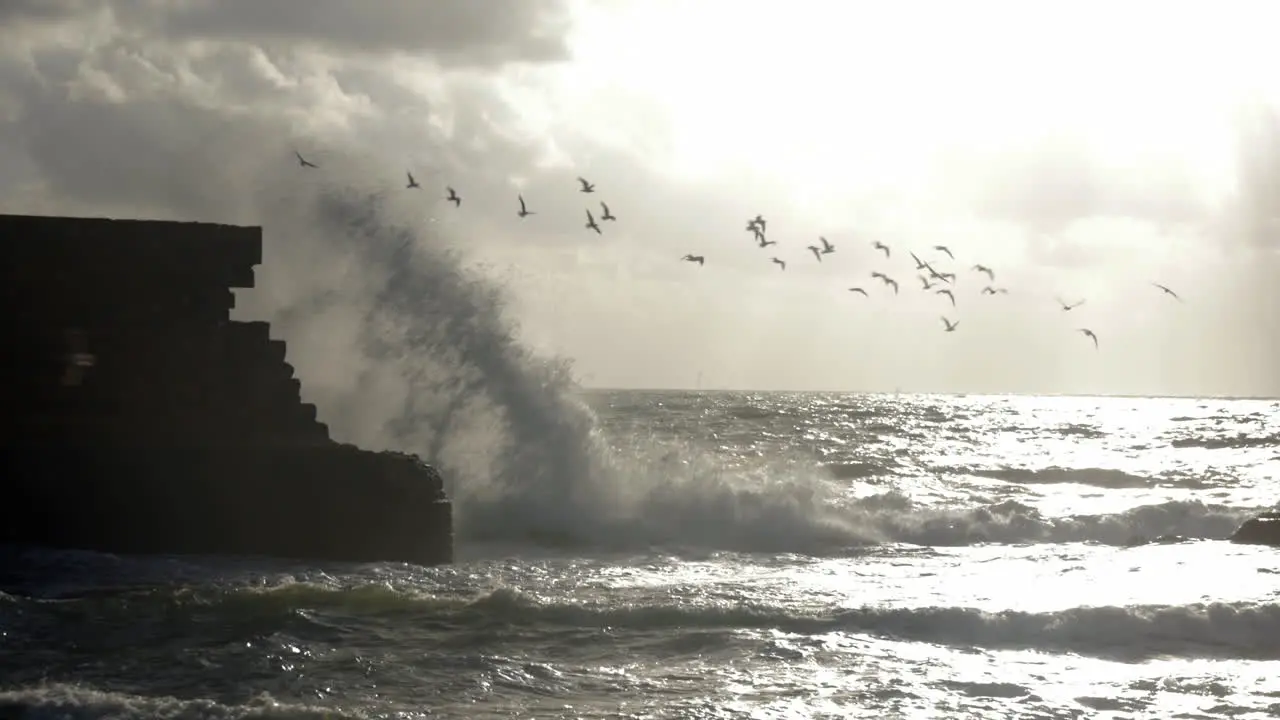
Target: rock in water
1261	530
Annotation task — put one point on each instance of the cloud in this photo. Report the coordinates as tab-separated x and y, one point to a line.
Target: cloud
112	108
483	33
1047	183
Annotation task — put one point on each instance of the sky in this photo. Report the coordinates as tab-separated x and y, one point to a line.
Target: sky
1082	150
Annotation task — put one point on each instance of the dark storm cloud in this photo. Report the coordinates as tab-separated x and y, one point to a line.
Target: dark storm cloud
23	11
129	118
454	32
463	31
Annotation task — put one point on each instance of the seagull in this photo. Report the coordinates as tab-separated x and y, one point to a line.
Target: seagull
827	248
1089	332
987	270
780	263
947	276
886	280
607	215
524	212
945	249
951	326
412	183
816	252
591	224
947	292
1066	306
586	186
881	246
920	264
303	161
1168	292
694	258
453	197
858	290
988	290
764	243
925	282
759	220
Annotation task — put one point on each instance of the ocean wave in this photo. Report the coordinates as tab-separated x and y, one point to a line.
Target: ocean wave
526	459
1240	441
1097	477
60	701
775	522
1236	630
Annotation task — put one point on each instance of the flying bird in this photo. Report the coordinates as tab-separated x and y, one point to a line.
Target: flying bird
524	211
303	161
780	263
591	224
1168	292
920	264
607	215
1090	334
453	197
1068	306
412	183
947	276
759	220
988	290
951	326
945	249
586	186
881	246
764	243
925	282
816	252
987	270
947	292
886	280
827	248
858	290
694	258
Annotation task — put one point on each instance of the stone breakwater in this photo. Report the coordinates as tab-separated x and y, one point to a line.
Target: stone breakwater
139	418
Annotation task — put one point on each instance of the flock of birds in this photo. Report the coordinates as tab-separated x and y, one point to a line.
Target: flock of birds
931	279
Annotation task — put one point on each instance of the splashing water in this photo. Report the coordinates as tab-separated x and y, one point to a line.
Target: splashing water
441	372
421	356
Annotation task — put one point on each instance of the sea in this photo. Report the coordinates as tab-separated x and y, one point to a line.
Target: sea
730	555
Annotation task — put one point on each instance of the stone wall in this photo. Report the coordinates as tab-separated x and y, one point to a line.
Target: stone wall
125	382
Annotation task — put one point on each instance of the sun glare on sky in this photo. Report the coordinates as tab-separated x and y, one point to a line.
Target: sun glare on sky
863	93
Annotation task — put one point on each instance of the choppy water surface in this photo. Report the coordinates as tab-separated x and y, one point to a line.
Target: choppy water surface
735	555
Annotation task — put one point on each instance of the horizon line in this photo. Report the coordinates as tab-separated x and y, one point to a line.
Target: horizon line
601	388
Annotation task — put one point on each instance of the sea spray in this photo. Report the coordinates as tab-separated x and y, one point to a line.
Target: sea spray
440	360
412	348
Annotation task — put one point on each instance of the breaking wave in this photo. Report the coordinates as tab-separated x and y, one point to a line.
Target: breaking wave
1220	629
441	372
